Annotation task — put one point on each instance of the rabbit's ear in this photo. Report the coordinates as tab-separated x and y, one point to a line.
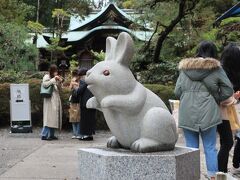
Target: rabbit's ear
124	49
110	48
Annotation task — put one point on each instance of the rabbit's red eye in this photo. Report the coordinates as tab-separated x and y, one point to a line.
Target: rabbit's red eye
106	73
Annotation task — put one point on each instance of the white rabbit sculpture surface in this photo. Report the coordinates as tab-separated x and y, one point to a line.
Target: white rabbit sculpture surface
137	118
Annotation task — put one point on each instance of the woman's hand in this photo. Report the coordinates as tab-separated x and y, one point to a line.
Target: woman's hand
74	85
237	95
58	78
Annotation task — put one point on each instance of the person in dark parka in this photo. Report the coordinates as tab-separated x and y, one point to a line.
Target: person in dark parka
230	60
88	116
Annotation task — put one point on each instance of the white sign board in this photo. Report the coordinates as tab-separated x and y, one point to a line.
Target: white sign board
19	93
20	103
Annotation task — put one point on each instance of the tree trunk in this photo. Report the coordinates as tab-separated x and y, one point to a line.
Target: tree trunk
36	36
38	9
163	35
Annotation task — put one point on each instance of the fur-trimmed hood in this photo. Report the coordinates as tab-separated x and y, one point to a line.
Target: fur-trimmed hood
199	63
198	68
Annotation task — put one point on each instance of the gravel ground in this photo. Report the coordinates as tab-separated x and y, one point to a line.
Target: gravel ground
14	148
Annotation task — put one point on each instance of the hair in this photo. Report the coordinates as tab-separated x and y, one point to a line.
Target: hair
230	60
75	73
82	71
207	49
52	69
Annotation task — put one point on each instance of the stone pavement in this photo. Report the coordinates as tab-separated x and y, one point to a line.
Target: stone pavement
26	157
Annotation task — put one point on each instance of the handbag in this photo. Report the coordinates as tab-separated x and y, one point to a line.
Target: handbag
74	112
46	92
233	117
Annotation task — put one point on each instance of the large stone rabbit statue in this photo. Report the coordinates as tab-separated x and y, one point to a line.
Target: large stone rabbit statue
138	119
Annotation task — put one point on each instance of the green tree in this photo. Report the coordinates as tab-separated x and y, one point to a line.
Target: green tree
45	8
15	52
178	24
57	46
15	11
59	15
182	40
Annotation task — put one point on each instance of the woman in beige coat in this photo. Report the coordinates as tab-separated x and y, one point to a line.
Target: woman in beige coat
52	108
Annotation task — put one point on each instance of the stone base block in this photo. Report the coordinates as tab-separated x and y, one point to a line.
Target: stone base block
108	164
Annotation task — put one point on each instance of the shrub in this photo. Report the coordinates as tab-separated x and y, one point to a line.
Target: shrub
165	92
11	77
5	106
163	73
19	77
36	101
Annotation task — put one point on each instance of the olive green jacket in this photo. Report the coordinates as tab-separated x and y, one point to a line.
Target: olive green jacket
201	86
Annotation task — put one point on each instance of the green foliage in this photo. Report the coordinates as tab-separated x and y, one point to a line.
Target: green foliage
79	7
35	27
148	72
59	13
211	35
228	31
220	6
36	101
141	57
182	41
165	92
11	77
163	73
55	48
73	65
230	21
15	52
15	11
5	107
127	4
98	56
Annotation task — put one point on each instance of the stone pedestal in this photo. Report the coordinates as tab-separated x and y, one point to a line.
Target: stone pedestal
108	164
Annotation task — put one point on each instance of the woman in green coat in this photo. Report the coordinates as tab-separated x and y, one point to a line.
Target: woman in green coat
201	86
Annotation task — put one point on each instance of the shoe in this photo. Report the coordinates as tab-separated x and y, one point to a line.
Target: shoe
235	170
52	138
78	137
45	138
86	138
74	137
221	176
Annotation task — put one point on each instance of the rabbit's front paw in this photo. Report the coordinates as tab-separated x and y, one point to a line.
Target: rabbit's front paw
113	142
92	103
105	103
144	145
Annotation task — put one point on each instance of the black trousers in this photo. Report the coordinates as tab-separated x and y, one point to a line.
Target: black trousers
226	143
87	121
236	154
